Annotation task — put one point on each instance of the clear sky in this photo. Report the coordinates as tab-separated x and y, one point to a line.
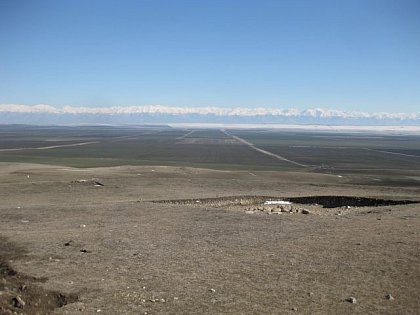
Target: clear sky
348	55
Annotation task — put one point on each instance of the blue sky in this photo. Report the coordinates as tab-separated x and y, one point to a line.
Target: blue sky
346	55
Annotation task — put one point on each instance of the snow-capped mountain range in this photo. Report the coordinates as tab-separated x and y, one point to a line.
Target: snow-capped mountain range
46	114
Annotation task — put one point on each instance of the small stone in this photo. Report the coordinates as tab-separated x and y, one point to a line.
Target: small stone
310	293
305	211
294	309
389	297
18	302
212	290
351	300
163	300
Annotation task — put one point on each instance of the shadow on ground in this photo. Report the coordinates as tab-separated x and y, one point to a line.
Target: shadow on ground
22	293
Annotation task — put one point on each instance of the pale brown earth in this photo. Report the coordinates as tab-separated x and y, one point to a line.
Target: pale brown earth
127	255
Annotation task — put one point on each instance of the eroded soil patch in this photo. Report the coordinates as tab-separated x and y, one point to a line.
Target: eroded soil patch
346	201
324	201
220	201
19	293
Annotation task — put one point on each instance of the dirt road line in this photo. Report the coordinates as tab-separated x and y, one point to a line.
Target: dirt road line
50	147
394	153
186	135
252	146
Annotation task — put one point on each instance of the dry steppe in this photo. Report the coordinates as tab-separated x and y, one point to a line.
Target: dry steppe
111	249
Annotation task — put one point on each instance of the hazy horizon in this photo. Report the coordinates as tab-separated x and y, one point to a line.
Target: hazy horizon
156	114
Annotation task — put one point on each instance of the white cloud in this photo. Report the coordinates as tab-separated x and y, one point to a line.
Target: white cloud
217	111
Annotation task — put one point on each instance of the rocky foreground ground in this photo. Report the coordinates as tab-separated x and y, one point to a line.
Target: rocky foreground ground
96	241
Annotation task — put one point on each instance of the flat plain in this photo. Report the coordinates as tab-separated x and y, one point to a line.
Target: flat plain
88	223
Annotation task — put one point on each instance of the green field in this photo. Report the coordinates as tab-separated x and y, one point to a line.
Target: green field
135	146
393	157
340	151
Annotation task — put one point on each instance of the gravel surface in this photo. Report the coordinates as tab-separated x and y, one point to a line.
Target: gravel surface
120	253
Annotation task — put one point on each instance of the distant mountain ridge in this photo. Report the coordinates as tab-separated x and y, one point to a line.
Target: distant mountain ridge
152	114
